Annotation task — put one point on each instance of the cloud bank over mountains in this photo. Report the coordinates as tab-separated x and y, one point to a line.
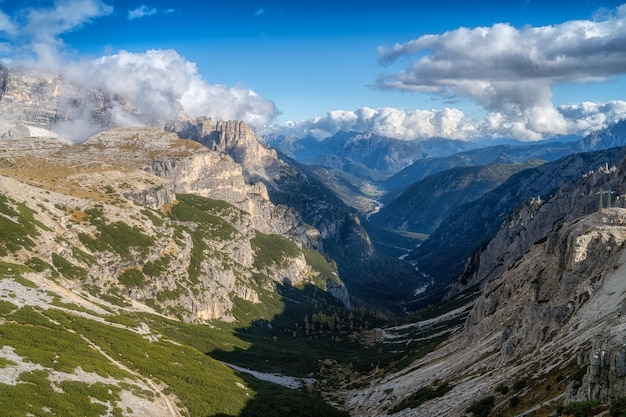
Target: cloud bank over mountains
157	83
510	72
507	71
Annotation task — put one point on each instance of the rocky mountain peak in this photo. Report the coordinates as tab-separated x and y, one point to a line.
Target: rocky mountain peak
233	137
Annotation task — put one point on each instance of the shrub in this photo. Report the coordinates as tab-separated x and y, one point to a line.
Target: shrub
580	409
519	385
272	250
481	408
578	376
421	396
618	407
132	278
502	389
68	269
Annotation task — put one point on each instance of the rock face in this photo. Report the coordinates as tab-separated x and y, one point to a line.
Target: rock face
235	138
612	136
45	100
554	313
160	220
533	301
529	222
445	253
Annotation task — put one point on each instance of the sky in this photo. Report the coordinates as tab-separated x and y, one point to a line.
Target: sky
523	69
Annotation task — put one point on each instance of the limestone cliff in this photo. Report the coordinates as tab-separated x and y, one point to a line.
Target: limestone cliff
233	137
144	215
46	100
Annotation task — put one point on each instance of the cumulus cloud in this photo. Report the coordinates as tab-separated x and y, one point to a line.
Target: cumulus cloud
6	25
141	11
159	83
450	123
387	121
511	71
154	86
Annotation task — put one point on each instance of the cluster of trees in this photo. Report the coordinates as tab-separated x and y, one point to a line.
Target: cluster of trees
340	320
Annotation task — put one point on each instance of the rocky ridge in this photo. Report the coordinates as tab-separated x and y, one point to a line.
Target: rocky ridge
529	222
104	185
554	314
445	253
234	138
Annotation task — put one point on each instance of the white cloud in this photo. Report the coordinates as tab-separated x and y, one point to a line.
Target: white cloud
452	123
141	11
387	121
33	34
155	84
510	71
65	16
7	25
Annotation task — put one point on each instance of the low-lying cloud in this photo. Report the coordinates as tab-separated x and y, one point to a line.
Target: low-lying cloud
509	71
582	119
155	85
388	121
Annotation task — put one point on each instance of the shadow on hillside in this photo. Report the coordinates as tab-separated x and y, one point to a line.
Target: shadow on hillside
306	339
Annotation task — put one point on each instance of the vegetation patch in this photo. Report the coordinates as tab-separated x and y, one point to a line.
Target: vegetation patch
18	226
421	396
204	386
317	261
272	250
153	216
83	256
582	409
618	407
481	408
68	269
158	267
116	237
199	210
37	339
35	395
580	373
38	264
13	271
132	278
6	307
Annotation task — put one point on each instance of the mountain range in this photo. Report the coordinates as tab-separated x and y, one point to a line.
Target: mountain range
190	267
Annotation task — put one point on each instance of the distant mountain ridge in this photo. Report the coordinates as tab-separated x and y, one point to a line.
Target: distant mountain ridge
425	204
497	154
444	254
382	154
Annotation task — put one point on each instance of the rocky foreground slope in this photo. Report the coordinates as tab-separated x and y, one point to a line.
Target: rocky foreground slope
546	331
125	260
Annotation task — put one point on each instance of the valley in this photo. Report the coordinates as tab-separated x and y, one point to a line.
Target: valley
197	269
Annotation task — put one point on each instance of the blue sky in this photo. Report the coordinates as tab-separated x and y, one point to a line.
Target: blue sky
317	67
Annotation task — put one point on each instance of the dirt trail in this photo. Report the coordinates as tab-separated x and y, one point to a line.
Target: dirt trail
154	386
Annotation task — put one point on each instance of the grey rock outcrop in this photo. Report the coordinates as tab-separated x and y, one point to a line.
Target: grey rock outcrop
529	222
233	137
532	302
553	309
445	253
